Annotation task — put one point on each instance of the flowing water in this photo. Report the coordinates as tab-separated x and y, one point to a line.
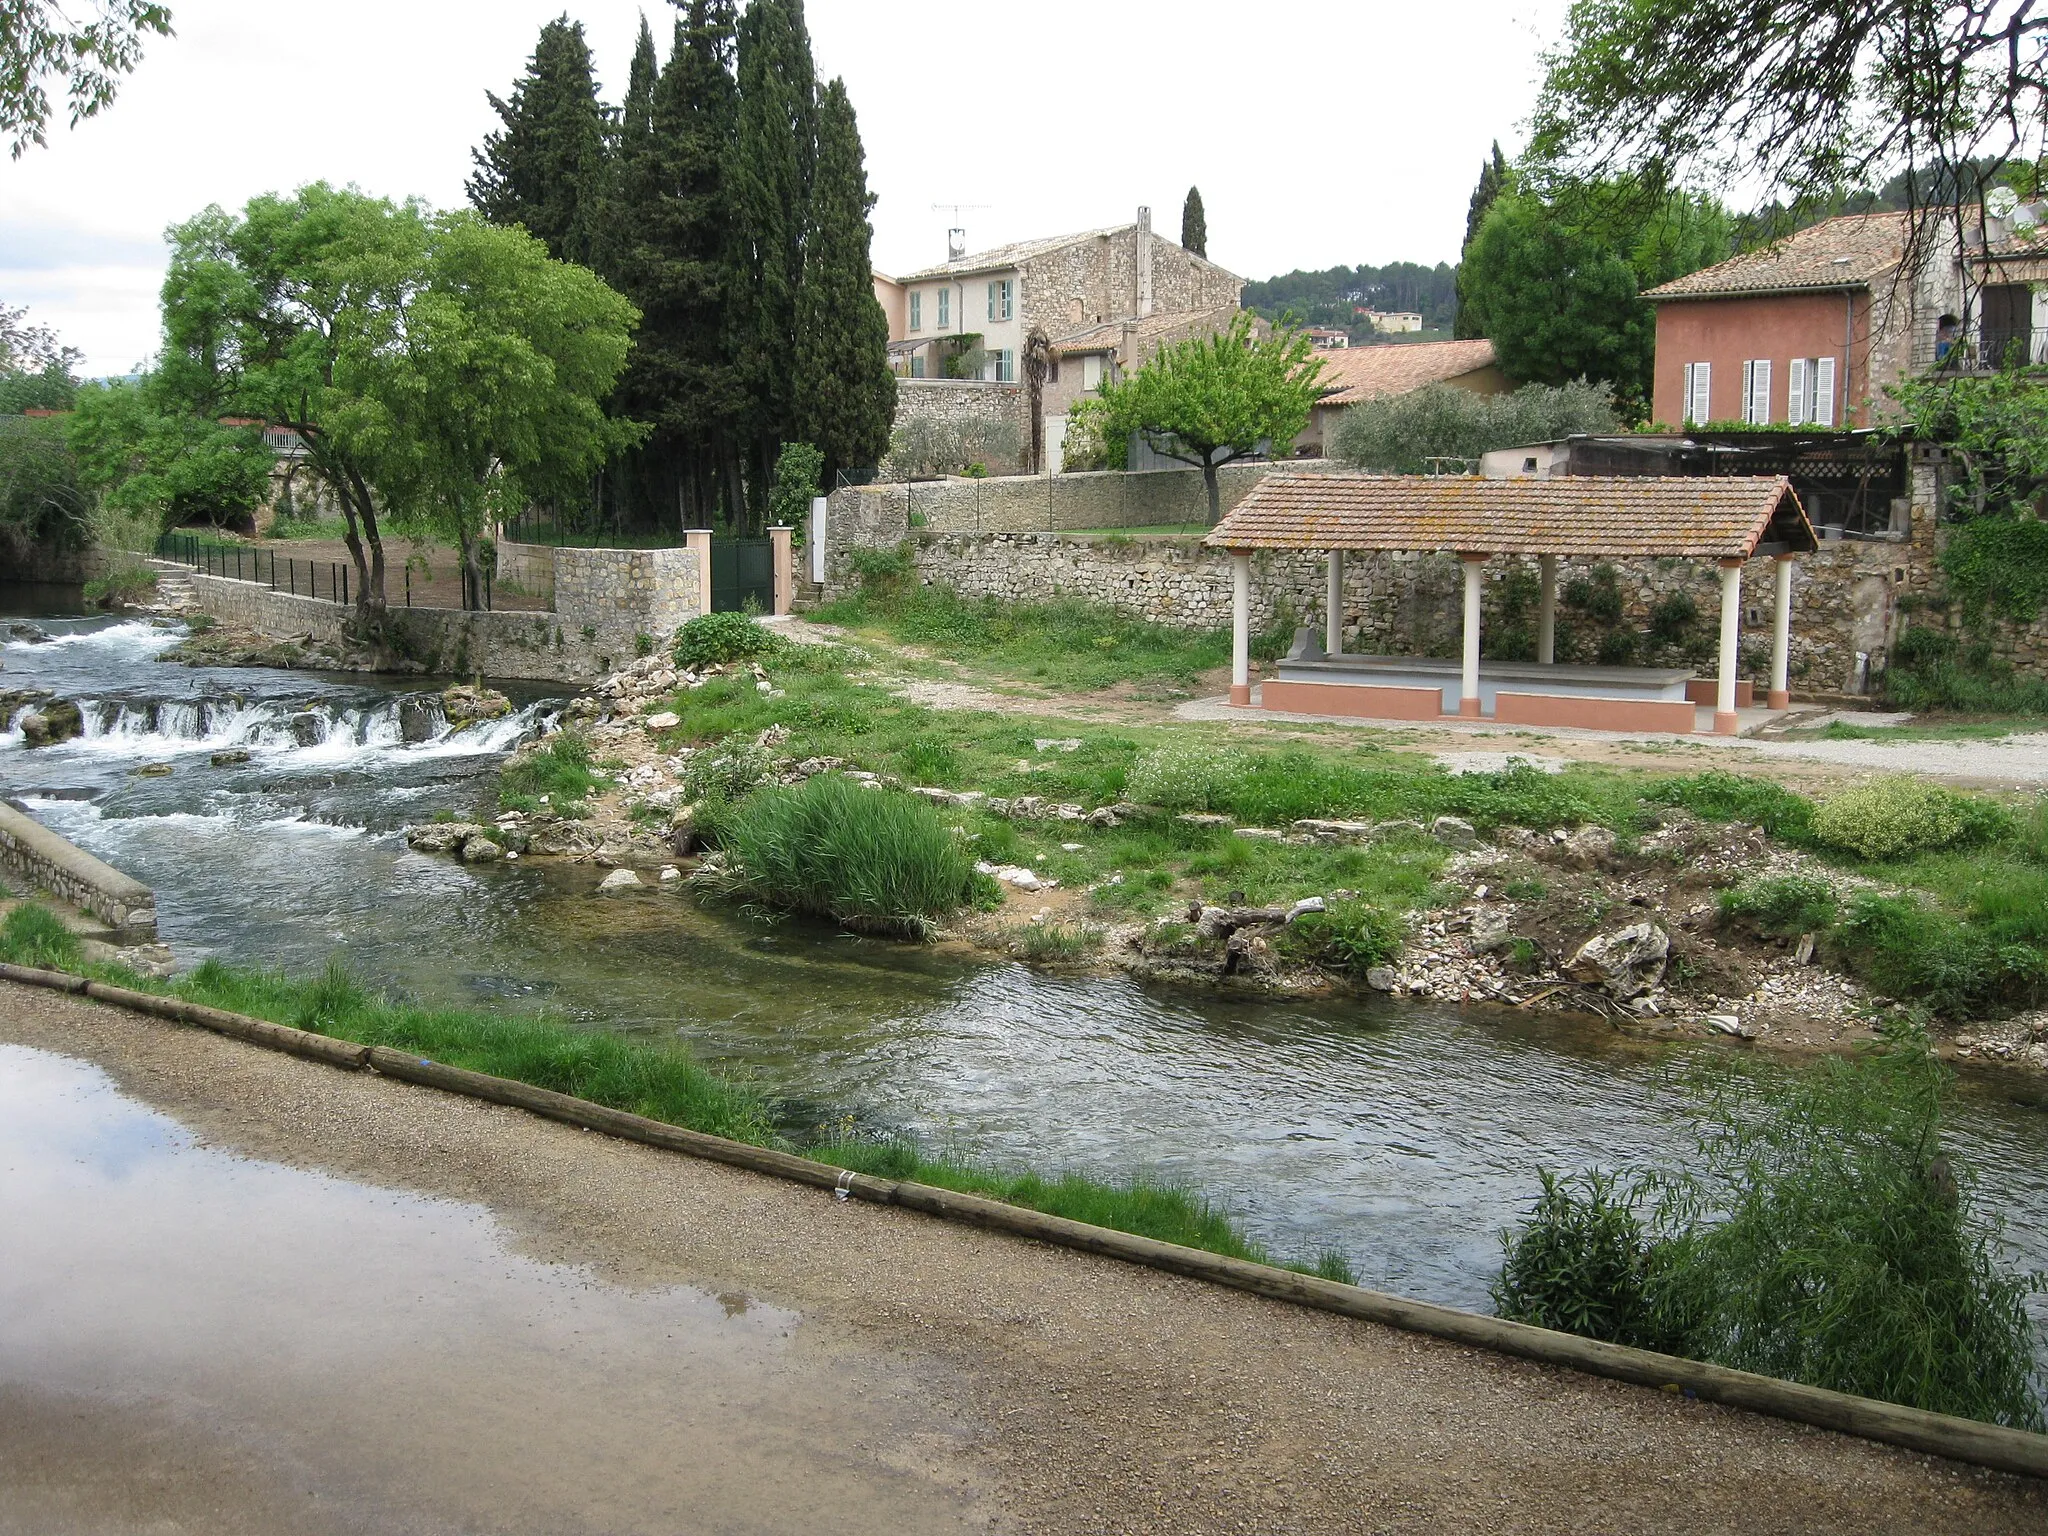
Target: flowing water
1403	1135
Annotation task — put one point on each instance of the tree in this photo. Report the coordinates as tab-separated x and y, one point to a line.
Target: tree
1194	224
35	368
1210	400
1493	180
1806	98
40	42
544	169
799	478
41	499
845	395
152	456
1400	434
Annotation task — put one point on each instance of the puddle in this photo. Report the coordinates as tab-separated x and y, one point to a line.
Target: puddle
365	1358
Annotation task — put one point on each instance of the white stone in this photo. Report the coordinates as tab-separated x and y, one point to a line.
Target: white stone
618	880
666	720
670	872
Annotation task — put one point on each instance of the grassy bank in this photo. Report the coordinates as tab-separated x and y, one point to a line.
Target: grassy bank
659	1080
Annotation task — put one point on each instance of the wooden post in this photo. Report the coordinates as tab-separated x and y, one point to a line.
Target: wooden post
1468	687
1781	635
698	541
1240	626
1333	606
1546	611
785	570
1725	721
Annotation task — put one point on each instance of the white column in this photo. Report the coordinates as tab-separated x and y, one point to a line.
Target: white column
814	541
1240	627
1468	687
1725	722
1546	611
1333	606
1781	635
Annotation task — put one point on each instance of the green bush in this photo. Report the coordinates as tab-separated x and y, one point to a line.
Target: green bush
1906	948
1929	670
875	860
558	773
1819	1232
1348	936
1783	905
727	771
1892	818
713	638
1186	778
124	586
1721	796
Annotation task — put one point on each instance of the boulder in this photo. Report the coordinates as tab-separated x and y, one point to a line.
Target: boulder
1402	828
1454	832
1622	964
463	703
618	880
1382	978
57	721
155	771
308	728
1324	831
418	721
560	837
442	836
31	634
229	758
1489	931
482	850
666	720
1203	819
1587	848
1261	834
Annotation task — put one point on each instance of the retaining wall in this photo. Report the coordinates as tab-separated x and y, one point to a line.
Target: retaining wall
37	859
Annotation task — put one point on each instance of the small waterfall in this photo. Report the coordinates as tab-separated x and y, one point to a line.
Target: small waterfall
312	730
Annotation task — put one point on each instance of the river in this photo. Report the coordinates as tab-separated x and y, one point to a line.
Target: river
1403	1135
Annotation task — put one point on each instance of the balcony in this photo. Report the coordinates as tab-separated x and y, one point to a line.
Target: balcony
1998	347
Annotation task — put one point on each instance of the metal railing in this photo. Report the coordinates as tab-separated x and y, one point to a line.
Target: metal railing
329	579
2001	346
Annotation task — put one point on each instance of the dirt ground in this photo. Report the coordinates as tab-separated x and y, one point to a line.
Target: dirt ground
434	573
961	1380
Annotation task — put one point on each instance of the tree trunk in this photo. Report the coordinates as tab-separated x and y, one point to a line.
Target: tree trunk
1215	491
370	605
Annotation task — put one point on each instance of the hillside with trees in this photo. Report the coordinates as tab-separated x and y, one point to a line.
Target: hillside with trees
1338	296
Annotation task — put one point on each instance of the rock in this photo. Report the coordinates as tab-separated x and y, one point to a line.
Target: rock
1203	819
57	721
514	840
442	836
482	850
31	634
1015	875
618	880
558	838
1803	953
1623	964
1072	847
229	758
665	721
1334	831
1382	978
669	874
308	728
1056	744
155	771
1489	932
463	703
418	720
1305	906
1111	815
1260	834
816	765
1402	828
1454	832
1587	848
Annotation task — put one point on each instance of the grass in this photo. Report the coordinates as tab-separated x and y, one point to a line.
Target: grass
1959	730
556	777
658	1079
1141	531
121	587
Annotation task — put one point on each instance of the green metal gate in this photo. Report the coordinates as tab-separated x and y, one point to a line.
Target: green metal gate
742	569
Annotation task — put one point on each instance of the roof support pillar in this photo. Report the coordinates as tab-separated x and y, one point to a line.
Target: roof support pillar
1333	606
1468	687
1240	626
1781	635
1725	721
1546	611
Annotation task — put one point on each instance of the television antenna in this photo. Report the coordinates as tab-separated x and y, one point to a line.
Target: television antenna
956	236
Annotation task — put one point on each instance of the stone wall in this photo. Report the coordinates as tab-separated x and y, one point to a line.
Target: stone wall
612	597
531	566
37	859
957	403
66	567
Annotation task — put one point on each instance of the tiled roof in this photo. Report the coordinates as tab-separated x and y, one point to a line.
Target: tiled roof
1008	255
1351	374
1702	517
1846	252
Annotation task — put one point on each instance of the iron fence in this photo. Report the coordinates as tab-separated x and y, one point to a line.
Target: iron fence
333	580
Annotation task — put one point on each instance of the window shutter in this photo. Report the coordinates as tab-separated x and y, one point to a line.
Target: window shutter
1795	393
1699	410
1748	389
1760	390
1823	412
917	311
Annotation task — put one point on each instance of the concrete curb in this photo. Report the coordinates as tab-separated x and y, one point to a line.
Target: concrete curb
1965	1440
44	859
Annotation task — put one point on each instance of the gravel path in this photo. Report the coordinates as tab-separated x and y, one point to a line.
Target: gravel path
1013	1387
2015	762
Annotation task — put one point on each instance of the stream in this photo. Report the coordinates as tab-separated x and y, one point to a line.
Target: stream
1403	1135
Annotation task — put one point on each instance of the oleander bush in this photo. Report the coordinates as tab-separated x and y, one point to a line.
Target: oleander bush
1895	817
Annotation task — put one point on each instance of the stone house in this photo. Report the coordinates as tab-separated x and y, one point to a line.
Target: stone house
1395	368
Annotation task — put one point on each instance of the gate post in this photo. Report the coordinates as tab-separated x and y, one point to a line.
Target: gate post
698	540
779	547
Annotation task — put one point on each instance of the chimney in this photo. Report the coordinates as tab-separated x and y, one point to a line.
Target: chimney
956	244
1144	262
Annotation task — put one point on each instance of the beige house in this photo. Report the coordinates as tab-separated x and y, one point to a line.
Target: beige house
1395	368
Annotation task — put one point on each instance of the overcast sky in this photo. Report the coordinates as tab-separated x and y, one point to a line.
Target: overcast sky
1320	132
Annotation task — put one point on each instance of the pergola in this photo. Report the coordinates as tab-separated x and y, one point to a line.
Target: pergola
1727	520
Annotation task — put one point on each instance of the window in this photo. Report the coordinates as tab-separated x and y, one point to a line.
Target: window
1052	368
1003	366
1821	403
999	299
1091	371
917	365
916	310
1698	393
945	309
1756	390
1796	407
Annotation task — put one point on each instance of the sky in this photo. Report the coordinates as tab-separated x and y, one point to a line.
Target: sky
1320	132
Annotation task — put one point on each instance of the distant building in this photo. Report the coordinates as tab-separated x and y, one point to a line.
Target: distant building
1370	373
1393	322
1325	340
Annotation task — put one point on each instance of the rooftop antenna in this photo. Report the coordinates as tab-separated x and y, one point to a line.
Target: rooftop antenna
956	237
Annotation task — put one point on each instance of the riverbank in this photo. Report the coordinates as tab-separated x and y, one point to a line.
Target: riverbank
1073	1393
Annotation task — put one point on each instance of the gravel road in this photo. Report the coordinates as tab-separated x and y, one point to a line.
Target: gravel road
923	1376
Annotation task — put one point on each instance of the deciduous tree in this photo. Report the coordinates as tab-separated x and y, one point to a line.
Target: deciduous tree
42	44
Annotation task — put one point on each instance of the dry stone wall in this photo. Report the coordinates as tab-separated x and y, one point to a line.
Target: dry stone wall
37	859
958	403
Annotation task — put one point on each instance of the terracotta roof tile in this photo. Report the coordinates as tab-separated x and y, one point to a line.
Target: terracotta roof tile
1149	333
1701	517
1351	374
1845	252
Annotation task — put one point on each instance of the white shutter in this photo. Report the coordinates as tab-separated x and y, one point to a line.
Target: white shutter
1795	393
1823	412
1760	390
1748	390
1700	394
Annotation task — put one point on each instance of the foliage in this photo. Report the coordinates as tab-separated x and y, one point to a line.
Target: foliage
1819	1232
799	476
714	638
1722	796
557	776
41	500
729	771
1400	434
34	936
876	860
1210	400
1582	1262
1999	564
542	168
921	445
122	586
151	456
1996	431
1929	670
1334	296
1186	777
1782	905
1347	936
1494	179
48	388
1891	818
1906	947
1194	224
41	45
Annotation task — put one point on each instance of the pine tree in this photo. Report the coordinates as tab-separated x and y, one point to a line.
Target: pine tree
845	396
545	168
1493	180
1194	224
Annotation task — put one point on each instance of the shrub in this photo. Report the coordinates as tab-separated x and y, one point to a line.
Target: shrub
1582	1263
1400	433
121	587
1906	948
1928	670
874	860
1891	818
727	771
558	772
712	638
1186	778
1721	796
1349	936
1786	905
799	473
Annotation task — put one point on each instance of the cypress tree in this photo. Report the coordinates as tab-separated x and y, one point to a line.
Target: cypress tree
545	168
845	396
1493	180
640	485
1194	224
